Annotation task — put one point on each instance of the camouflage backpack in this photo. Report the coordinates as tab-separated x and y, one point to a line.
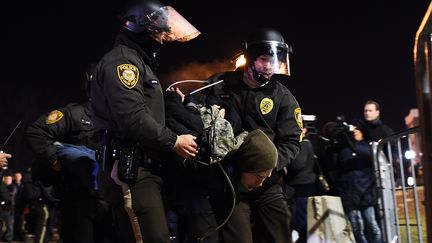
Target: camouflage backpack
220	133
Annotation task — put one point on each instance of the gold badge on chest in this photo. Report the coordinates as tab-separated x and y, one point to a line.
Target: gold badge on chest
266	105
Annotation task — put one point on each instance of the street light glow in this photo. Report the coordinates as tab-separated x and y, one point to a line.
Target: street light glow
409	154
241	60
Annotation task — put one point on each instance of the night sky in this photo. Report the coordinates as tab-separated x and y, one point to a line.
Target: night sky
345	52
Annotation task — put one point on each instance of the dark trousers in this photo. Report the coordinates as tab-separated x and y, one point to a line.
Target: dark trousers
198	222
112	194
200	189
148	206
85	220
300	218
264	217
260	218
7	216
19	233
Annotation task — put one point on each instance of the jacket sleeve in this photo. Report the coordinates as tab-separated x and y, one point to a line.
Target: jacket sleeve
305	154
48	128
288	131
181	119
130	111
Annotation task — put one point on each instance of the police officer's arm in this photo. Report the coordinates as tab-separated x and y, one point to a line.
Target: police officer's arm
289	128
134	118
48	128
299	162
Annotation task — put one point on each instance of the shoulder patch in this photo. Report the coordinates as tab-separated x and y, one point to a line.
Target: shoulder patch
53	117
299	120
266	105
298	117
128	75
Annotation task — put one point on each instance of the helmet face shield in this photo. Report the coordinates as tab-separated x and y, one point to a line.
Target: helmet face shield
266	54
268	58
167	25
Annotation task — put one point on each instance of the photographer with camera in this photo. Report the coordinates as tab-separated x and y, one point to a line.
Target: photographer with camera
354	177
333	136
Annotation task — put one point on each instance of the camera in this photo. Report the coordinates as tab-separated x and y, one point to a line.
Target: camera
340	120
340	133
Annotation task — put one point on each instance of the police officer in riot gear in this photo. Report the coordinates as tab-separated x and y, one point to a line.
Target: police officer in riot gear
128	105
62	141
267	54
263	102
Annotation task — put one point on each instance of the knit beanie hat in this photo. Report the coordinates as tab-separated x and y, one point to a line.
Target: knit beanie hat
257	153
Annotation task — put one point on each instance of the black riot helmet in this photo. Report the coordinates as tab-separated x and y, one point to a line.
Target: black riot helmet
266	54
162	23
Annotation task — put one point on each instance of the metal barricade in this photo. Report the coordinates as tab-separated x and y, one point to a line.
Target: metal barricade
399	181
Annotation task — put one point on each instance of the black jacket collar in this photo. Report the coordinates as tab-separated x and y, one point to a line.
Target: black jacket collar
138	43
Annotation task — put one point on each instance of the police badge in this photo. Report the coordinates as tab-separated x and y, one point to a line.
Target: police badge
128	75
266	105
53	117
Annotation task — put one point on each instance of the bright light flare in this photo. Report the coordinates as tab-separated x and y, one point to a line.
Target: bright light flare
240	61
410	181
409	154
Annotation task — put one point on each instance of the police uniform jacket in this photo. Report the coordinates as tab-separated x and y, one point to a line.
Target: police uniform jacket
127	99
70	124
271	108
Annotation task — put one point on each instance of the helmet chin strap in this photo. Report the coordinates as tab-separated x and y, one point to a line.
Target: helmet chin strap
259	77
